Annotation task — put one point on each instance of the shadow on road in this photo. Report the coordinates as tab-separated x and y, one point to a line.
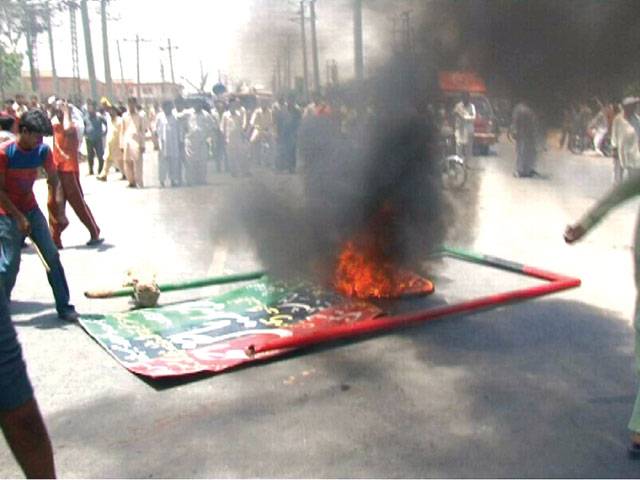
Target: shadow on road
537	389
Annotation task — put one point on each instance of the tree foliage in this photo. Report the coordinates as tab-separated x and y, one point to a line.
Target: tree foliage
10	65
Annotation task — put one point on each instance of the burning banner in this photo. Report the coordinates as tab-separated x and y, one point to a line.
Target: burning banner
265	319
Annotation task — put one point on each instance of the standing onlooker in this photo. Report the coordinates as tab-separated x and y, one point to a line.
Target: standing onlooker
6	127
114	153
234	123
525	132
201	129
65	157
95	128
615	128
568	119
465	115
600	126
9	111
169	132
220	147
134	127
261	125
624	137
288	120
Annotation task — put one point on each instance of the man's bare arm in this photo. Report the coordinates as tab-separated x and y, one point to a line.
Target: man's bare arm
8	206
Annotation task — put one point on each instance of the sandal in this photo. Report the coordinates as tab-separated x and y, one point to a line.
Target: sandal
634	451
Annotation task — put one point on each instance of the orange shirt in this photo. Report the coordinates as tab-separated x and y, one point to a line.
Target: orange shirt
65	148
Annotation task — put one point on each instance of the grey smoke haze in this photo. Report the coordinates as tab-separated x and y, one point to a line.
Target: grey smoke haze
382	183
265	36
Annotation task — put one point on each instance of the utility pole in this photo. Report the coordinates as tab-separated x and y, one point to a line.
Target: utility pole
287	66
32	49
137	40
357	40
407	33
84	11
138	91
314	48
54	74
124	87
105	49
169	48
75	59
162	78
305	66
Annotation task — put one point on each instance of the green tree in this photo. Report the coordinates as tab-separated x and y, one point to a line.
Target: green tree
10	65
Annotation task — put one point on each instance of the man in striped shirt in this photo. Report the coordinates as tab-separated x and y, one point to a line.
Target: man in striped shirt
19	213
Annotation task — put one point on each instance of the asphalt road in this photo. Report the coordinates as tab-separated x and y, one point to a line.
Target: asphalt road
542	388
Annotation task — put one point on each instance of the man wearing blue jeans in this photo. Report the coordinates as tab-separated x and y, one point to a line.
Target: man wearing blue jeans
20	418
19	212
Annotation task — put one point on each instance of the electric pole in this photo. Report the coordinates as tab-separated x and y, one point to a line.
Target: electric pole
124	87
32	48
84	11
287	66
162	85
137	40
357	40
75	59
305	66
105	49
138	67
54	74
169	48
314	47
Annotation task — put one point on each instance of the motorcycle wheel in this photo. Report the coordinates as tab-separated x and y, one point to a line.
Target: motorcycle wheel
454	174
576	145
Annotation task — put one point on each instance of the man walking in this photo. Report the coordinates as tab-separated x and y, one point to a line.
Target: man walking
465	115
624	138
261	125
95	129
19	212
201	129
65	157
134	127
524	131
168	133
234	123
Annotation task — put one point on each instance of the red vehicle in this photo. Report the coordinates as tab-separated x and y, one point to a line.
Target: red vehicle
452	84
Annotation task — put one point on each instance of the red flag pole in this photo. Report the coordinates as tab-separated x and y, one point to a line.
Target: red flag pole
557	283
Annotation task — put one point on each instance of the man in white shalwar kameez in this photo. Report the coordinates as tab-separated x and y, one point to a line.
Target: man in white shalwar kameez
201	129
169	133
134	127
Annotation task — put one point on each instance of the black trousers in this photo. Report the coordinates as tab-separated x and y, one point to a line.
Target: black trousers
95	149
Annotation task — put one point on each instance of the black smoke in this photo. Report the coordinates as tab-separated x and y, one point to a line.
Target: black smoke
378	183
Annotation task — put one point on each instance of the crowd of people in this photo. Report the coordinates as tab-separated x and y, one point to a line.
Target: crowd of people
614	125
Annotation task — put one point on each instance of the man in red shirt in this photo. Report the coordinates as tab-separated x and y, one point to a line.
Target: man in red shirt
19	213
65	157
20	418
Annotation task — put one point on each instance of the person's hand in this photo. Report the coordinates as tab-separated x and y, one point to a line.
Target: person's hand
573	233
23	225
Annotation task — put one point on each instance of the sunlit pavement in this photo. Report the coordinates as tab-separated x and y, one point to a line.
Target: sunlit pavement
537	389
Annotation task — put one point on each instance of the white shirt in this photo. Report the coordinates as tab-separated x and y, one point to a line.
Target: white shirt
625	139
465	116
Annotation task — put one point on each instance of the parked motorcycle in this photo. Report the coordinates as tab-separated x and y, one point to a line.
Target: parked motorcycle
452	166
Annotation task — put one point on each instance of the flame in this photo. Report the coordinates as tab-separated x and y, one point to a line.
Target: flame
362	271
